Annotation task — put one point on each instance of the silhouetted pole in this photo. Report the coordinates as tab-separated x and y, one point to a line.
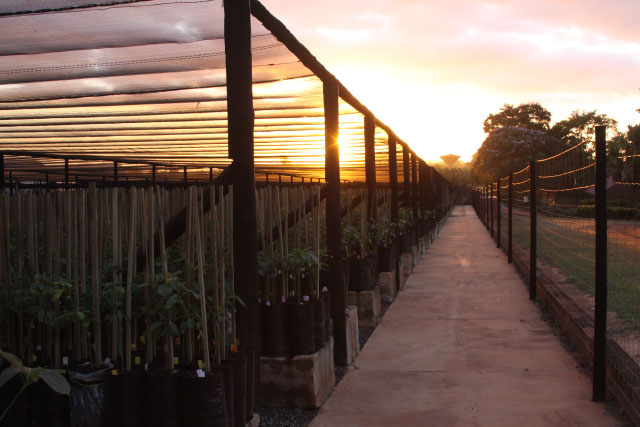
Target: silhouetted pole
414	194
406	175
393	183
533	239
498	215
600	320
491	207
370	165
237	40
334	222
510	221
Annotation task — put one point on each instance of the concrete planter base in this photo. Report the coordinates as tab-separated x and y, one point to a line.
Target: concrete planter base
353	336
414	256
369	306
254	422
407	268
387	282
303	381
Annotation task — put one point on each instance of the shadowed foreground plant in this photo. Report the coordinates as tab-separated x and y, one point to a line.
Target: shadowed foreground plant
52	377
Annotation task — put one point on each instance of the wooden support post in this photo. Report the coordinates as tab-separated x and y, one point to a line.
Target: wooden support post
184	176
370	164
334	221
510	221
393	183
600	320
153	175
406	175
498	215
210	175
414	192
240	113
115	173
533	230
2	184
66	174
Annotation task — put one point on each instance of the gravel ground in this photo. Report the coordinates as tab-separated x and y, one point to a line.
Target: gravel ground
294	417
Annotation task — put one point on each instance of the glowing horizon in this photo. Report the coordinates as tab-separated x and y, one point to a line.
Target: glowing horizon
434	72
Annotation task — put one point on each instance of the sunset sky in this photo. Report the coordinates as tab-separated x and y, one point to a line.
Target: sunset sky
433	70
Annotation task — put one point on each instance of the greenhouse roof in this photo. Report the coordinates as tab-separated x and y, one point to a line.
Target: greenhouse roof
144	82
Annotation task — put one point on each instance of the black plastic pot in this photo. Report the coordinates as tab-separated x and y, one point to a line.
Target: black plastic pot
363	274
404	243
203	402
51	409
275	335
319	326
18	415
300	320
326	297
161	399
123	404
386	258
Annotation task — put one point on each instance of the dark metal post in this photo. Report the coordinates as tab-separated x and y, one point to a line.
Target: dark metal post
533	240
393	183
184	172
498	215
491	207
414	193
370	164
2	184
510	221
406	175
115	173
600	320
334	221
240	113
153	175
66	173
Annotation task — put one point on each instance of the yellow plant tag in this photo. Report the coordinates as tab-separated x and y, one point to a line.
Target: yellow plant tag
200	365
176	361
133	347
137	360
114	372
143	340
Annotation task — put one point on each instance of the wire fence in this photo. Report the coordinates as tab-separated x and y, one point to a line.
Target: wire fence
550	213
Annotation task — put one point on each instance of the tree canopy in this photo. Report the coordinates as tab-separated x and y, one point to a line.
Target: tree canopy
516	135
528	116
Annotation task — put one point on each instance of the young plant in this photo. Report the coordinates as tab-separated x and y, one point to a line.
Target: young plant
52	377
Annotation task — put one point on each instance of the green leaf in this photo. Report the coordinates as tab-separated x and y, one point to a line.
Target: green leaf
7	374
13	359
56	381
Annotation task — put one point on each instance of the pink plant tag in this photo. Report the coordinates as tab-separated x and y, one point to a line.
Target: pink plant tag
200	373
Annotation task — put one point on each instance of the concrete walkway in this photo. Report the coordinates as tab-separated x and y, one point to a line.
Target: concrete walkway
462	345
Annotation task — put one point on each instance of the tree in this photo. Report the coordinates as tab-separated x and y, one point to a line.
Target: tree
508	149
529	116
580	127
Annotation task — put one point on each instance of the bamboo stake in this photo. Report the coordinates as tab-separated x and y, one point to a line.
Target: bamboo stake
73	214
281	241
188	263
203	302
286	240
82	239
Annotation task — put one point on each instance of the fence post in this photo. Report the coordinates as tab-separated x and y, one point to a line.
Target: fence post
334	222
66	173
240	121
115	173
533	230
510	221
486	206
491	210
498	215
600	320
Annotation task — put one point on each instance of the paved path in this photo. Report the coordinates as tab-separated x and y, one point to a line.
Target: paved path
462	345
